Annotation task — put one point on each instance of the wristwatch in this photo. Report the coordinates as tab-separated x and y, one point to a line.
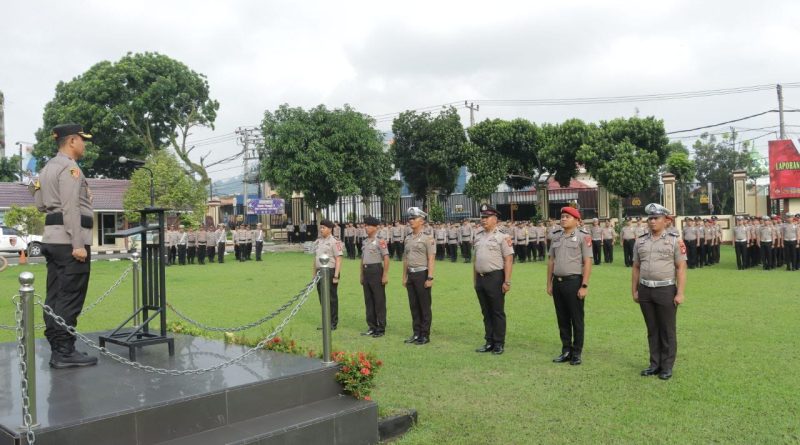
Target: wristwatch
585	286
429	279
507	283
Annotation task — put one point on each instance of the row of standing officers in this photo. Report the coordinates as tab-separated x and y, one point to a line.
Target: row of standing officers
184	246
658	280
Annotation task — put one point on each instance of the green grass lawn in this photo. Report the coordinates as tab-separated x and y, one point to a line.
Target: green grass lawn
736	376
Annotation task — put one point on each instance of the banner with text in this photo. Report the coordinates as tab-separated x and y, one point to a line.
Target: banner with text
270	206
784	170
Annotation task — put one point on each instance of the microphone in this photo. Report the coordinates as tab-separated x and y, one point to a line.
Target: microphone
124	160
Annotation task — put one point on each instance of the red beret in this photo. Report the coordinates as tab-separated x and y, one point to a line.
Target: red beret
572	211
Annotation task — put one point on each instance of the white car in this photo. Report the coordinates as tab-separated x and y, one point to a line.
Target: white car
12	241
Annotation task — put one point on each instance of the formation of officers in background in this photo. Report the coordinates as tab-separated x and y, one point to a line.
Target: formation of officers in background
207	244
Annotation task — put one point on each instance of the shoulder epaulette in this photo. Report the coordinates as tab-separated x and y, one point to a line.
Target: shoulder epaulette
584	230
673	234
559	231
643	235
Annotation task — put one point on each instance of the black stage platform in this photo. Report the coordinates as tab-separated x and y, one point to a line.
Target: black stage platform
270	398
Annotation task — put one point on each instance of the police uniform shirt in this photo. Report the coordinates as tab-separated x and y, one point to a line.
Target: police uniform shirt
397	234
192	238
520	235
327	246
182	238
541	233
568	252
790	232
202	237
64	189
690	233
491	250
657	256
441	235
258	235
452	235
211	237
607	233
627	233
221	236
553	230
373	250
701	232
597	232
466	233
740	233
765	234
417	250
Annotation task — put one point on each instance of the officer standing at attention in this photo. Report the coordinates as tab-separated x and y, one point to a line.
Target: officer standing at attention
466	241
764	241
568	271
326	244
397	240
740	239
609	236
790	230
628	239
418	265
182	241
202	241
657	284
374	276
258	236
452	242
211	244
494	257
191	245
63	194
222	241
690	239
597	240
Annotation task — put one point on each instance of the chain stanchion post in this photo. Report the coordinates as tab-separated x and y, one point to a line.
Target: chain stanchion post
135	259
326	272
29	355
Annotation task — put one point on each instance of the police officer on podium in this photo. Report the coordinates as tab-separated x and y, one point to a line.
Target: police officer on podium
494	257
62	192
568	271
657	285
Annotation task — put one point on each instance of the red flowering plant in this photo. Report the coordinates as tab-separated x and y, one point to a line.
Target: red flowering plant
357	372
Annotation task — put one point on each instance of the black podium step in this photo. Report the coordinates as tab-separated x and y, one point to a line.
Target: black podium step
340	420
274	397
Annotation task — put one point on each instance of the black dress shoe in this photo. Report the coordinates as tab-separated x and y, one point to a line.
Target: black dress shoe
665	374
369	332
378	334
564	357
485	348
422	340
575	360
498	349
412	339
653	370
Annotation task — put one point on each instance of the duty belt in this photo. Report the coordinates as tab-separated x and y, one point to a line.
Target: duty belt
57	219
567	277
417	269
653	283
489	273
741	240
367	266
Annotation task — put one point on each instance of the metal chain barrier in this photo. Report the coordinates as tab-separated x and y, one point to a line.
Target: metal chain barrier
87	308
175	372
258	322
26	415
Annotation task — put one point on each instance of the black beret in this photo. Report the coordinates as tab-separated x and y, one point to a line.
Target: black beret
371	221
327	223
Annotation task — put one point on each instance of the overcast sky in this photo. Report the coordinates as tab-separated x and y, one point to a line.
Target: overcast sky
386	57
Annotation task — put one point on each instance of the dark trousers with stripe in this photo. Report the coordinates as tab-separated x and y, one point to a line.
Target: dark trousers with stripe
201	253
627	249
489	287
608	251
419	301
569	313
374	297
742	260
596	245
659	312
790	254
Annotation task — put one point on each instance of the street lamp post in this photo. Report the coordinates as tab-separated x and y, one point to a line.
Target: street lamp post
140	164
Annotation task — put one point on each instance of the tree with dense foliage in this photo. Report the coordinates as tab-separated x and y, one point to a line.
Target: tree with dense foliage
174	189
429	151
134	107
9	169
29	219
716	161
324	154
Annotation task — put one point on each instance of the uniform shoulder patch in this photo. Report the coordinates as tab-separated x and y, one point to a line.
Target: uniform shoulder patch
588	240
682	246
75	172
383	244
509	241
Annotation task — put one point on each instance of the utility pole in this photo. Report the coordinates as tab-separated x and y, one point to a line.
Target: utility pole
249	138
780	112
2	126
472	109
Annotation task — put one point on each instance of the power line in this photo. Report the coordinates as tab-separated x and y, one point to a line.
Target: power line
726	122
